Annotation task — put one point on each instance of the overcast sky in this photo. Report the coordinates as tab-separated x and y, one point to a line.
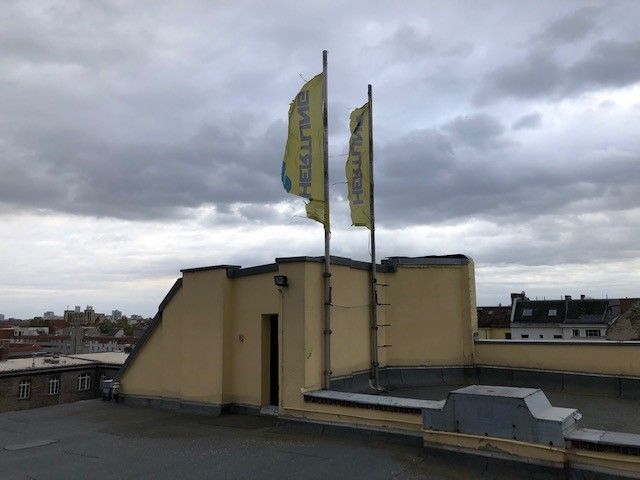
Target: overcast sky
138	138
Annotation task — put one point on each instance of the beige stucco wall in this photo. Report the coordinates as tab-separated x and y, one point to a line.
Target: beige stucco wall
251	298
432	313
586	357
493	333
350	321
210	344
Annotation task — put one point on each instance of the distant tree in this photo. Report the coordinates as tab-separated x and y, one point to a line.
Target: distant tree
40	322
106	327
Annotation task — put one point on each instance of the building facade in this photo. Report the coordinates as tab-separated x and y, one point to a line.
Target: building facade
44	381
226	335
568	319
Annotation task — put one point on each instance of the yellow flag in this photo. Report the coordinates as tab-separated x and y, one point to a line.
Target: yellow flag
303	164
357	168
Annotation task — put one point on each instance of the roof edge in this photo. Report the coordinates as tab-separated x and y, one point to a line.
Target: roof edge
177	285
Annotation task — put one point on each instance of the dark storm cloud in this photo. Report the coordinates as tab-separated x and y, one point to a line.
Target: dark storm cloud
572	27
608	63
121	115
438	181
477	130
80	175
529	120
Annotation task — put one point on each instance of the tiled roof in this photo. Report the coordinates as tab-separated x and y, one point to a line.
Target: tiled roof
494	317
573	311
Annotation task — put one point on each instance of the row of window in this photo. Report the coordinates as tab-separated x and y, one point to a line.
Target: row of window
528	312
589	332
24	391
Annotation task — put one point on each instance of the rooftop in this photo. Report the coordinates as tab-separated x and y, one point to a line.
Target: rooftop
38	363
119	441
569	311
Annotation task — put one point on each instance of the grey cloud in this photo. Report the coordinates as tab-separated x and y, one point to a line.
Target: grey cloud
536	75
572	27
74	174
476	130
607	64
438	182
405	43
528	121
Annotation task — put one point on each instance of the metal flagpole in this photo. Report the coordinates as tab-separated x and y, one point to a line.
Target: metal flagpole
327	236
373	281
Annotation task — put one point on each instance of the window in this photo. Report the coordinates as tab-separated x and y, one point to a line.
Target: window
592	332
541	336
527	312
524	336
576	332
25	389
84	382
557	336
507	336
54	386
553	312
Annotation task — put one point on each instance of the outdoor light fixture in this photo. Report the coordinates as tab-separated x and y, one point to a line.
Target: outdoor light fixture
281	280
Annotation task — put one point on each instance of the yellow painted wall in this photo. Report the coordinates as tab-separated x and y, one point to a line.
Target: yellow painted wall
251	298
196	354
610	359
432	315
350	321
145	376
300	332
493	333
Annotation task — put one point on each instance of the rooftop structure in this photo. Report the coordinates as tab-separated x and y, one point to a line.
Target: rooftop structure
227	338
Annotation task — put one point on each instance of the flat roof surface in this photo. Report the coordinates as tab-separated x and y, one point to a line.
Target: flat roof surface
101	440
17	364
112	358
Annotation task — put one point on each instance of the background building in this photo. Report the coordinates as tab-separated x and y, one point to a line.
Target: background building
567	319
494	322
51	380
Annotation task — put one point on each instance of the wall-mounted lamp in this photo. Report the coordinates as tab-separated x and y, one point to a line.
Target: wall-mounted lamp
281	280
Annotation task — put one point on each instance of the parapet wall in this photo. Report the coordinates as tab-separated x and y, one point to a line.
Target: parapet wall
592	357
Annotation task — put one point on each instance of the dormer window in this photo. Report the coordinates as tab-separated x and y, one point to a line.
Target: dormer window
527	312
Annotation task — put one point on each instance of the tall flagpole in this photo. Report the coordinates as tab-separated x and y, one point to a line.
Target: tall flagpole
327	236
373	281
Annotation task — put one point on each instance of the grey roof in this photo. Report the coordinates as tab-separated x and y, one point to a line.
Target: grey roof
567	312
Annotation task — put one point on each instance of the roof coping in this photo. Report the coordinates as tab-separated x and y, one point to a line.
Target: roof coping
210	267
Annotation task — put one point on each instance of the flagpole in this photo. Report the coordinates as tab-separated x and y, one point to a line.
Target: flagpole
373	281
327	235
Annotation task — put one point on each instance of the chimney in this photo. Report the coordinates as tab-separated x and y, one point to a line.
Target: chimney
582	296
520	295
567	297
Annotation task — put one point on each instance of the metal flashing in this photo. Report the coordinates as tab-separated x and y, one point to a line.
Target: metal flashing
211	267
257	270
